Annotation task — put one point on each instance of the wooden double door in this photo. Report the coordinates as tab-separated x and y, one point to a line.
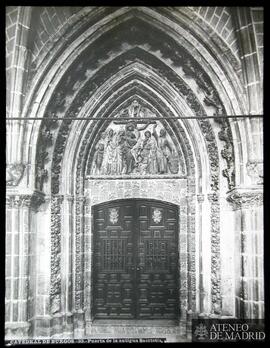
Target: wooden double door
135	260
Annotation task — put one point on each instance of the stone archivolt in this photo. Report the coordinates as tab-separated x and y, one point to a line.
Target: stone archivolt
182	59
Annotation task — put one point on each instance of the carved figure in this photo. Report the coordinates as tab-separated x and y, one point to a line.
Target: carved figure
99	154
14	174
164	150
148	152
109	161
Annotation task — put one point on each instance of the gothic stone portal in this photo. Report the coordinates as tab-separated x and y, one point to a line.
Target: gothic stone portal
135	273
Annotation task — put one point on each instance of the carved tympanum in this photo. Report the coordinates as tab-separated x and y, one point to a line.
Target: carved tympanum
135	146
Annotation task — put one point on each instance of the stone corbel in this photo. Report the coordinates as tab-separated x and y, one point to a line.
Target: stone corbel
245	198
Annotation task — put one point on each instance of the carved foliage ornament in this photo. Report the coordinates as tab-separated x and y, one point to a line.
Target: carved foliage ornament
113	215
55	291
215	254
157	215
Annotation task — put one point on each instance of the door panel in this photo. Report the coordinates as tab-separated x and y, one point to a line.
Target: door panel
157	259
113	262
135	260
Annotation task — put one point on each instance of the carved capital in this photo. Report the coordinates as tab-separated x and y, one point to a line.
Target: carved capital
240	198
25	200
14	173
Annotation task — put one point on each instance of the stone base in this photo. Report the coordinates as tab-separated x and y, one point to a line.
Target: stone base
169	330
16	330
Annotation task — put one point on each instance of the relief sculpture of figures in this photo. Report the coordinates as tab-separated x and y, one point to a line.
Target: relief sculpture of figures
126	148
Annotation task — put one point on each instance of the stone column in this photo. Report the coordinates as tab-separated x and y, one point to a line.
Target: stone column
183	264
191	274
79	322
69	203
18	299
248	207
88	251
200	199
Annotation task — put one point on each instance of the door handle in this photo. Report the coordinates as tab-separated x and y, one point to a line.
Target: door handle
133	268
137	268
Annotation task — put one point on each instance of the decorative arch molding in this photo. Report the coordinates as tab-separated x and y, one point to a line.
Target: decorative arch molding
199	46
210	97
177	83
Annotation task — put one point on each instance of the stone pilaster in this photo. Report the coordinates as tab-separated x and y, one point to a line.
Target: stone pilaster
19	233
200	200
248	207
68	261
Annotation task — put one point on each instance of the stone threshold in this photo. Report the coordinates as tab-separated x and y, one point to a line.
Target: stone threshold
133	322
